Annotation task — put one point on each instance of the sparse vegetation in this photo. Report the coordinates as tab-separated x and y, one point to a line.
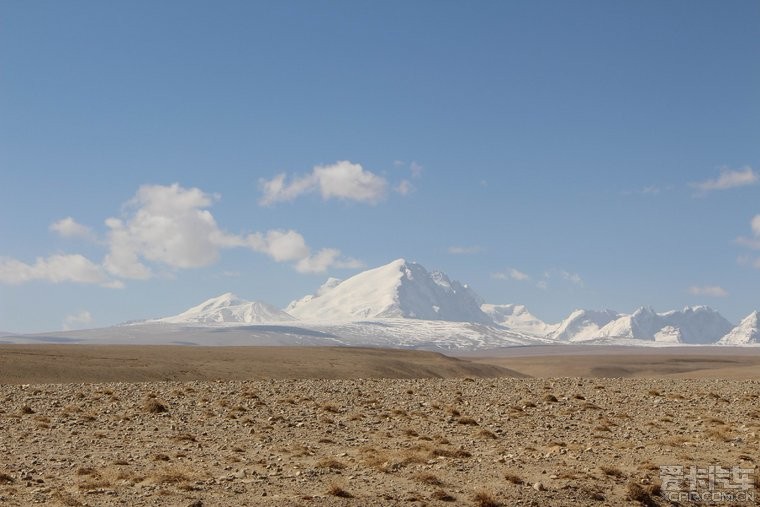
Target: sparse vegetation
612	471
513	478
484	499
428	478
293	438
338	491
331	463
642	494
154	406
442	496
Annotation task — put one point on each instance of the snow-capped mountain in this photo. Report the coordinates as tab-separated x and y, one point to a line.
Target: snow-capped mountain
228	308
403	305
517	318
694	325
582	325
747	332
698	324
400	289
330	284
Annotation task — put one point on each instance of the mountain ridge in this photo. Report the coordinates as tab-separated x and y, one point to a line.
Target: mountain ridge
402	296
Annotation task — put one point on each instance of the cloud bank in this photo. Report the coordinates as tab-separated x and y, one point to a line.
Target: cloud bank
164	227
343	180
728	179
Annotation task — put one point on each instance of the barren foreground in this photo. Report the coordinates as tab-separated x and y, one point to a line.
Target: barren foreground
466	441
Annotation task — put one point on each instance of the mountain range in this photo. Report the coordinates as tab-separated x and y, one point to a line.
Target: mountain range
402	304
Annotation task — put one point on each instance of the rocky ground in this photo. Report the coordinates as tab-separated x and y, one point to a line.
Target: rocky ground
483	442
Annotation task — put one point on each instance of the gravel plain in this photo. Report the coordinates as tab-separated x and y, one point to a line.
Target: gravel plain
372	441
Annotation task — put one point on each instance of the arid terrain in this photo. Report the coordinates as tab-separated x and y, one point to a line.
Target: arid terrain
189	426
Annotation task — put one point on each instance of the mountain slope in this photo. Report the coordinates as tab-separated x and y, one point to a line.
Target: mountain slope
228	308
693	325
399	289
517	318
746	333
583	325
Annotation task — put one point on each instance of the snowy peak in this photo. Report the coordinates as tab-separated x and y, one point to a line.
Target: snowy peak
697	324
747	332
694	325
517	318
229	309
644	323
399	289
583	325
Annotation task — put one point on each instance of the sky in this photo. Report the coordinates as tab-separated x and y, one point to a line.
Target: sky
561	155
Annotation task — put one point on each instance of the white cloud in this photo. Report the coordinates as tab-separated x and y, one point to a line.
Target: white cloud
405	187
170	225
511	274
543	284
70	228
748	260
416	170
465	250
165	227
278	190
708	290
574	278
752	242
342	180
728	179
324	259
281	246
56	269
77	320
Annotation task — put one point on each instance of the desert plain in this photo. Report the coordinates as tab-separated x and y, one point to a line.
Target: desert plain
233	426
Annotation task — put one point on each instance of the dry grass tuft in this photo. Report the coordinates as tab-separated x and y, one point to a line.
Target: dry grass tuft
66	499
428	478
442	496
171	475
26	409
514	478
154	406
612	471
449	453
642	494
469	421
331	463
336	490
6	479
720	434
483	499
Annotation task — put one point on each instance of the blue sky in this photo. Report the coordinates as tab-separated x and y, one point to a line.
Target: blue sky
557	154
